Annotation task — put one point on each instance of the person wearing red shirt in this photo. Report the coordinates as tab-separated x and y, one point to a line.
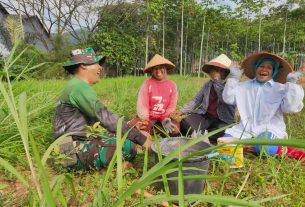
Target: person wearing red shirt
157	98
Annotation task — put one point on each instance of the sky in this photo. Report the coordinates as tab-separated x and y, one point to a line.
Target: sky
229	3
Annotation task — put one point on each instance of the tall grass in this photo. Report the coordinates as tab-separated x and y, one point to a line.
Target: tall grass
17	109
19	113
26	116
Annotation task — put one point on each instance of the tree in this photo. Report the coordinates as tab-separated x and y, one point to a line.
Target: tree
235	31
119	49
201	43
181	36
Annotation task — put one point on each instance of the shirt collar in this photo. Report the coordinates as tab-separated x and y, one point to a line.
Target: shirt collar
269	82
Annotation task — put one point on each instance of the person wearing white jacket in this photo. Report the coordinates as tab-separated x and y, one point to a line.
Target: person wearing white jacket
261	101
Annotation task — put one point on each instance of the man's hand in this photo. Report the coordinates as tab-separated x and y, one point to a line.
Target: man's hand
148	141
168	125
144	125
235	72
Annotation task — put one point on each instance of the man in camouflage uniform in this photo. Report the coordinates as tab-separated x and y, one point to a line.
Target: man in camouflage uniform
79	106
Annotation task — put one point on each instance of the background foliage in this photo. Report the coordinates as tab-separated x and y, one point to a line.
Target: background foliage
126	29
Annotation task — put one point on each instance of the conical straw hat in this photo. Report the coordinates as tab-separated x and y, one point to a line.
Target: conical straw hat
249	64
158	60
222	61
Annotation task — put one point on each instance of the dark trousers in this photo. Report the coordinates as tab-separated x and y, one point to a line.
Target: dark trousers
195	122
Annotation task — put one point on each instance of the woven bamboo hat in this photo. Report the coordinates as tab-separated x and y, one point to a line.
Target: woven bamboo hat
249	65
222	61
158	60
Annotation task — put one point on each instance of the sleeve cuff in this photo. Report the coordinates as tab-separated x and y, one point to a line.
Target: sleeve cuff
136	136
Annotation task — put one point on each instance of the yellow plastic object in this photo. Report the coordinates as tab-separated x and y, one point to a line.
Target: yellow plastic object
232	153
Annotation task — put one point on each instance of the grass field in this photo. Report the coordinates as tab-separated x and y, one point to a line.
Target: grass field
272	181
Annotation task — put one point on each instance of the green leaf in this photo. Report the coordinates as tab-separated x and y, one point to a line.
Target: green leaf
96	125
48	196
14	171
47	153
119	145
180	183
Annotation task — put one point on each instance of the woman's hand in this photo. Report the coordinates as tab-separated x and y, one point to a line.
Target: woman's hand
168	125
235	72
293	77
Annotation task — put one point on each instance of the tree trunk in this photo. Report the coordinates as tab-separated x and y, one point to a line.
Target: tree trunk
185	50
135	70
251	46
201	47
192	59
227	44
147	38
259	35
284	36
177	43
207	47
260	27
163	32
211	53
247	31
181	46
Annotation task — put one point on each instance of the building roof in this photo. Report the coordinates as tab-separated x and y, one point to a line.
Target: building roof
3	10
25	18
31	18
31	23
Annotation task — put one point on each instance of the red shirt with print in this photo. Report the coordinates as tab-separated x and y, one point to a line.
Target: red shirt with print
157	99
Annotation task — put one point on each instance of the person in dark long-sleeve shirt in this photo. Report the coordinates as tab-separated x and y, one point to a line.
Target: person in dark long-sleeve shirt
207	110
